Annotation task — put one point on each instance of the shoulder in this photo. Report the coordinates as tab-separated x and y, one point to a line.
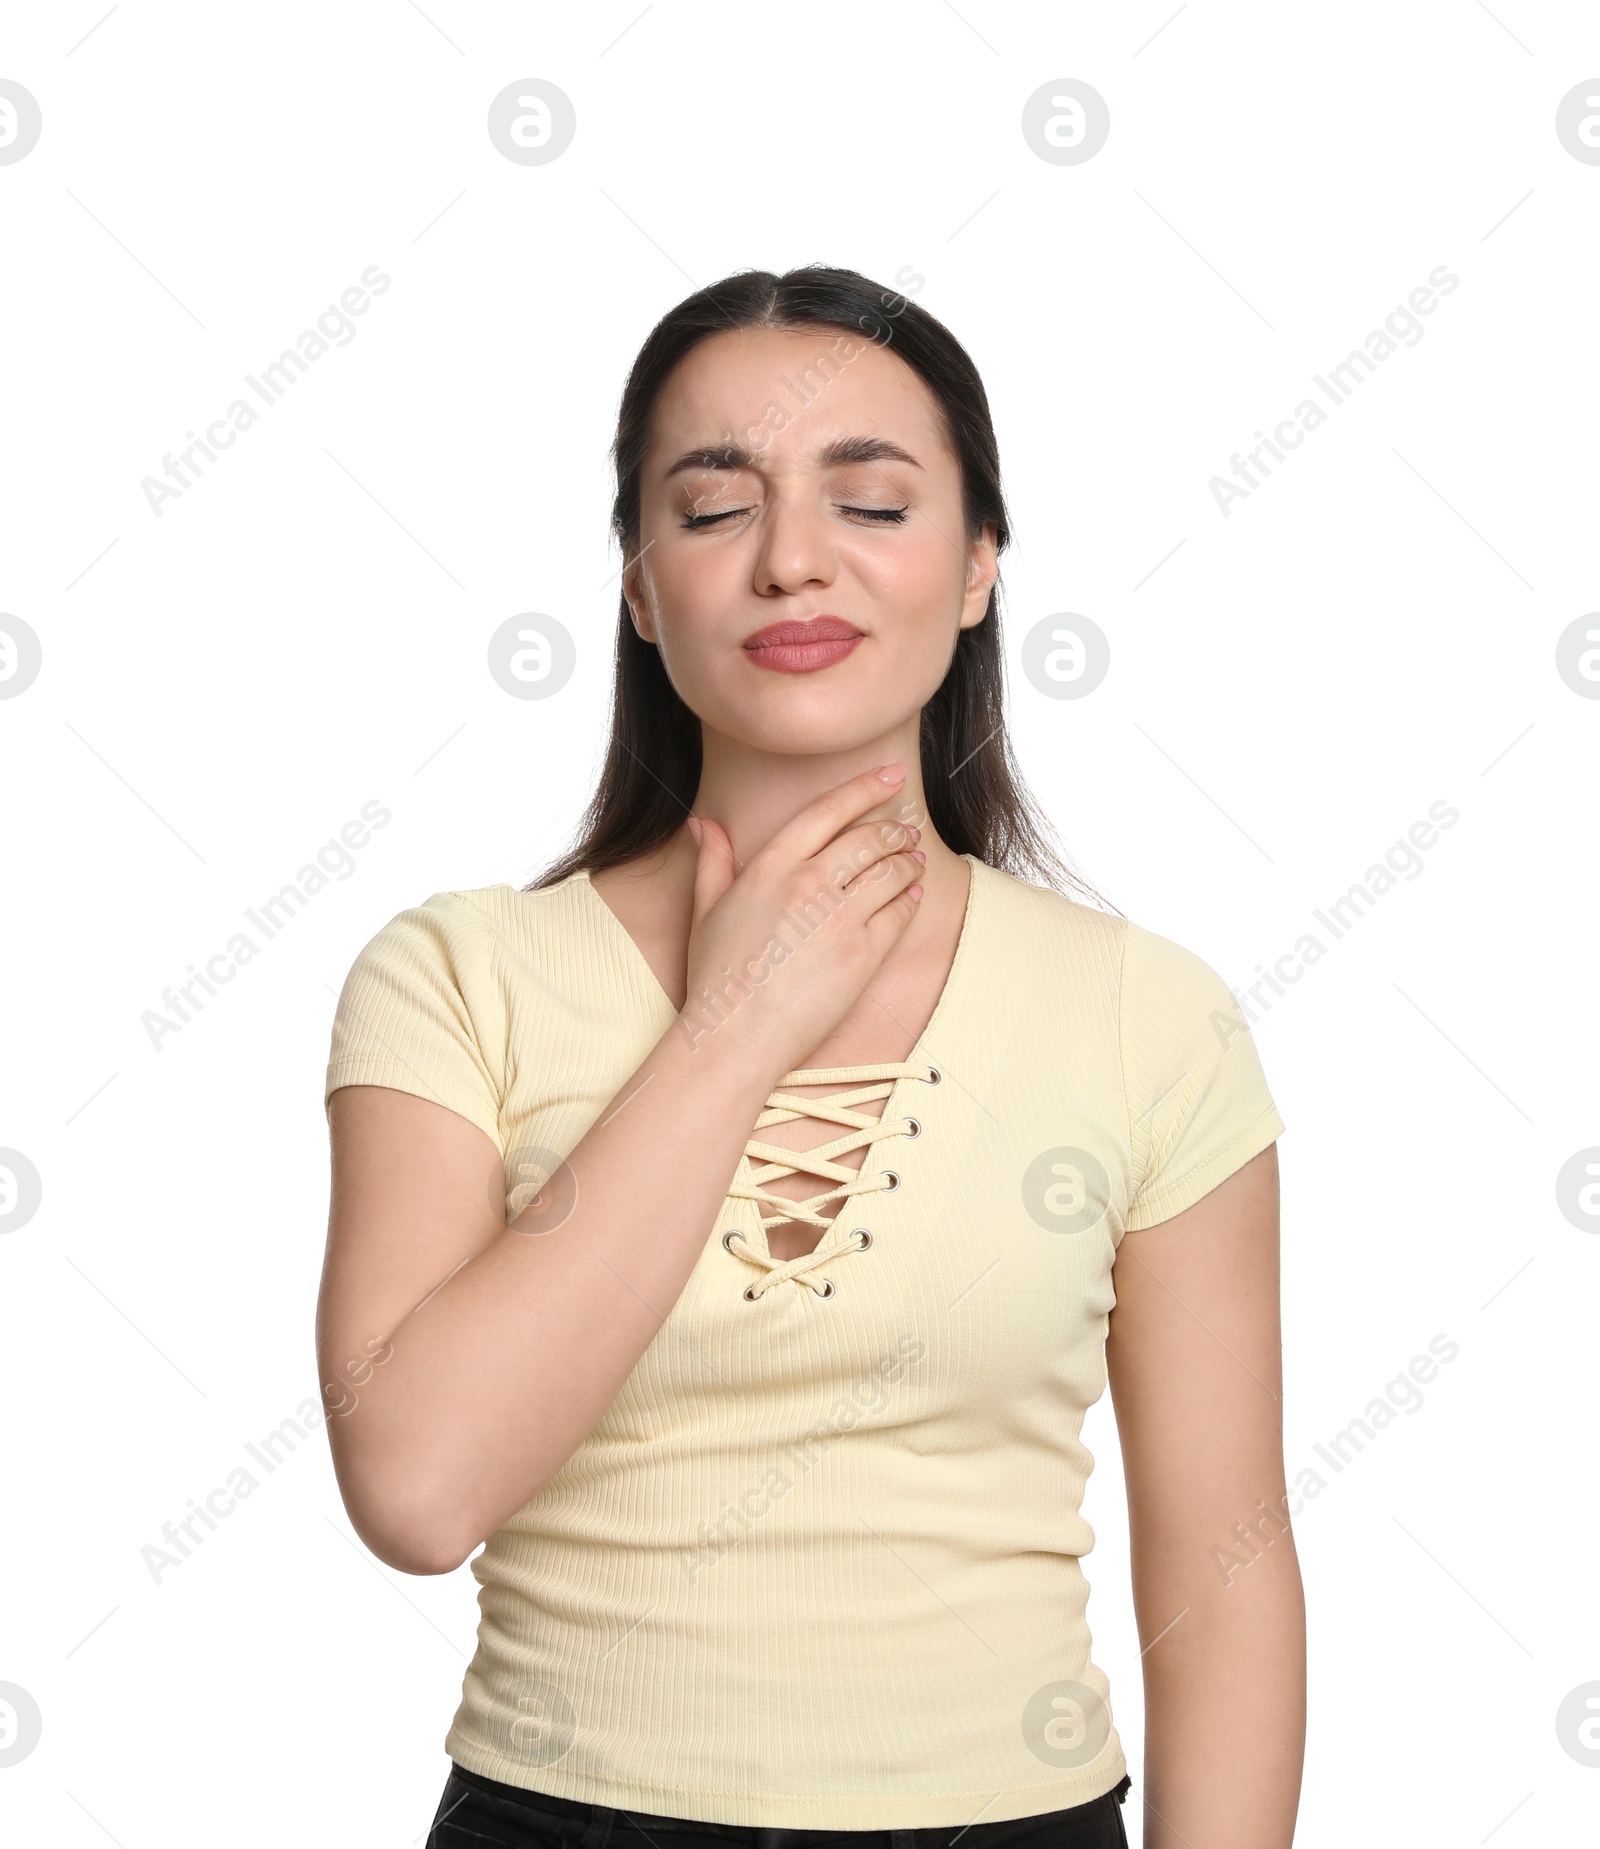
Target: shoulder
1145	967
1038	917
1164	979
477	940
487	915
1178	1021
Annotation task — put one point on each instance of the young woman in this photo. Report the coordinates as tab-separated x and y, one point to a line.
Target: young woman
730	1231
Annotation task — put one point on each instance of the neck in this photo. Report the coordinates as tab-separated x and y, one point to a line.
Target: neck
754	793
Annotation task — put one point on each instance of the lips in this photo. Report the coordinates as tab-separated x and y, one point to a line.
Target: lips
794	647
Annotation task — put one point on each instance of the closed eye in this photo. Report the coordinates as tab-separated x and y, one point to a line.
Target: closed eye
889	515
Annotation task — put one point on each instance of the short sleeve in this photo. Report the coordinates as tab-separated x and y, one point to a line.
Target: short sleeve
421	1012
1198	1104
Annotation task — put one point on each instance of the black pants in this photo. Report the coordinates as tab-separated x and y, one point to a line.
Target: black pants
481	1813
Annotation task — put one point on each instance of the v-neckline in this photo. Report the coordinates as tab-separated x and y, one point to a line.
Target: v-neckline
977	869
839	1075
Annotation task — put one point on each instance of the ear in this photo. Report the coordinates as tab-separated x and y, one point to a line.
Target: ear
638	603
983	567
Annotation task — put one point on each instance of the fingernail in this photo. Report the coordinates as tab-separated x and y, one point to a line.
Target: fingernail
917	855
916	834
893	773
913	892
694	828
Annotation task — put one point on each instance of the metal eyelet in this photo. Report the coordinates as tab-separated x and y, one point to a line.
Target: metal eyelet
864	1236
824	1293
732	1233
934	1076
748	1293
916	1127
893	1180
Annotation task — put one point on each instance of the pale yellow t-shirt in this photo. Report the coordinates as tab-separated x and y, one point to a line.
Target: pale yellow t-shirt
817	1564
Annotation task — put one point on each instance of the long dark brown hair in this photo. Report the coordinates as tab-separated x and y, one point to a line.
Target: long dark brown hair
975	793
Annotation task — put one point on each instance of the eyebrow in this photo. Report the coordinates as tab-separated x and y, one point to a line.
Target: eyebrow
841	450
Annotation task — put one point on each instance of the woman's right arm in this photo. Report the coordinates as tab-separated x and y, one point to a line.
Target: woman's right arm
465	1360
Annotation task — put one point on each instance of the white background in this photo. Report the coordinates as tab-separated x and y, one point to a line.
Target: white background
1372	631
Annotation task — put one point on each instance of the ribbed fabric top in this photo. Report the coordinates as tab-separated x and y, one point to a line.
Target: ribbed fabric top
817	1564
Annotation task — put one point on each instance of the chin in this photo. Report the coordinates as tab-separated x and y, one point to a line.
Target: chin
805	717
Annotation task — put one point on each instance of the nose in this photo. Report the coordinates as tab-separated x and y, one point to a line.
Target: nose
796	550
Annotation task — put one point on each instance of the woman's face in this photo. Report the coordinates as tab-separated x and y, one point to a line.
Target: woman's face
802	562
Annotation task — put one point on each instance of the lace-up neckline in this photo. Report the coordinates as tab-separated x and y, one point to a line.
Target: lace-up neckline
769	1162
765	1162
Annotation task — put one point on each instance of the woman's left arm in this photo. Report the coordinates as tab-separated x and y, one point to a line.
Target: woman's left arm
1195	1363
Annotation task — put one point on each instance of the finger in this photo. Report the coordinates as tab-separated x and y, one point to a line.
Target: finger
886	924
817	824
714	870
855	852
885	879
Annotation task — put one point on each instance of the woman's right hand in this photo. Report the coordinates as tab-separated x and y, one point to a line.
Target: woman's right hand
502	1344
780	950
